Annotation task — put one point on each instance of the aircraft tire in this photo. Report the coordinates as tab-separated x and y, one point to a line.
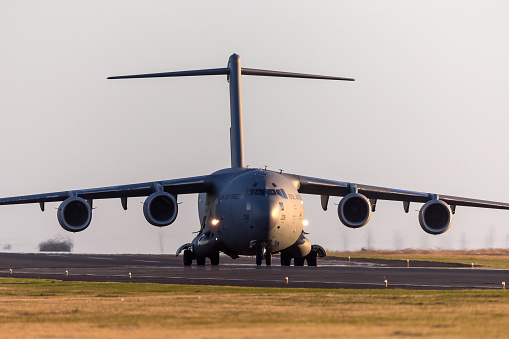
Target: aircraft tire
312	259
286	259
214	259
268	258
298	261
188	258
200	261
259	258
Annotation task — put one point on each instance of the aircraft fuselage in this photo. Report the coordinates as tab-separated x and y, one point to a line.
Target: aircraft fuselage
249	208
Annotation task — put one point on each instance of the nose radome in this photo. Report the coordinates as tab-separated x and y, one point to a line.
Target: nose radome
266	216
274	213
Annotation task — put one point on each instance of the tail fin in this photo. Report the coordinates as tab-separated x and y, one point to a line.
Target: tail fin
233	71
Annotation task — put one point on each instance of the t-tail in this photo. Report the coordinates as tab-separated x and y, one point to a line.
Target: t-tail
233	72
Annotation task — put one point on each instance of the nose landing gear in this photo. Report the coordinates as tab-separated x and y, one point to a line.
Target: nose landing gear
263	252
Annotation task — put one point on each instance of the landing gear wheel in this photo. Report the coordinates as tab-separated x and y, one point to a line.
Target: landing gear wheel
286	259
268	258
188	258
200	261
214	259
312	259
298	261
259	258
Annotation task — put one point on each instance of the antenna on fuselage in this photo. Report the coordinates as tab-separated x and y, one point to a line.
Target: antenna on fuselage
233	71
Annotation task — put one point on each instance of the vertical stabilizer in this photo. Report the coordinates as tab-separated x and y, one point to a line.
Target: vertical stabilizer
236	131
233	72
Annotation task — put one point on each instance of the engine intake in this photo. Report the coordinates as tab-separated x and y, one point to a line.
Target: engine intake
160	209
354	210
74	214
435	217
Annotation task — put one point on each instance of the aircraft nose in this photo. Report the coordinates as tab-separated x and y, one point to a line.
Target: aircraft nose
265	214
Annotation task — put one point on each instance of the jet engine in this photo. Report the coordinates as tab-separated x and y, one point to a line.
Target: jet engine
74	214
354	210
435	217
160	209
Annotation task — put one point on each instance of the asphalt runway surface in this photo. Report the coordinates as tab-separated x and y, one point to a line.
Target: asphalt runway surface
332	272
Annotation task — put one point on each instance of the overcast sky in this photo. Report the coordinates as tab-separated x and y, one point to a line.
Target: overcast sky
428	110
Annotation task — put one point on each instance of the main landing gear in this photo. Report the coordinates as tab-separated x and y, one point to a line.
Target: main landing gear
311	259
189	256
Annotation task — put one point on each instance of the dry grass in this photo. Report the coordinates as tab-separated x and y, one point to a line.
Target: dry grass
488	258
45	309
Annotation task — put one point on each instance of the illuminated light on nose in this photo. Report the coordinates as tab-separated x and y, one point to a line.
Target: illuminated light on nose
305	222
215	222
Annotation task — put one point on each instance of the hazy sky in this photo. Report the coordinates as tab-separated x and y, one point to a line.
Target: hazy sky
428	112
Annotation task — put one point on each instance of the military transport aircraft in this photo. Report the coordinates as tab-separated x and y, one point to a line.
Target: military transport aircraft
249	211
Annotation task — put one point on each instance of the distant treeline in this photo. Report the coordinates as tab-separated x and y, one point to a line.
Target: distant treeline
56	245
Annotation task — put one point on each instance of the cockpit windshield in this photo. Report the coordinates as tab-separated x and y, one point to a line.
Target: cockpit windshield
266	192
259	192
271	192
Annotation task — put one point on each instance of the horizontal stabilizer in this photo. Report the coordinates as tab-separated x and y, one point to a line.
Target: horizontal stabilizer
222	71
213	71
266	73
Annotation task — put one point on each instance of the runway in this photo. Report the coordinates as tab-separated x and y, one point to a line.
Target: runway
332	272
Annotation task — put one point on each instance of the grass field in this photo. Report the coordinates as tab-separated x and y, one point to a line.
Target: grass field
43	308
488	258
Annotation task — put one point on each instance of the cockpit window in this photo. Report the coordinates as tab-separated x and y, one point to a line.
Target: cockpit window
265	192
259	192
281	192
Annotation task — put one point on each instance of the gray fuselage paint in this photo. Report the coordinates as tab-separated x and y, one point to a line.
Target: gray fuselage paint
243	209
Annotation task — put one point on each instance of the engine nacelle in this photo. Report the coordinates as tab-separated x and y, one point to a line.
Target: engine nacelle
354	210
74	214
160	209
435	217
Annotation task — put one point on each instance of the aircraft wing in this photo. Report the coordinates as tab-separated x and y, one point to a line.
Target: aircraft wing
174	187
325	188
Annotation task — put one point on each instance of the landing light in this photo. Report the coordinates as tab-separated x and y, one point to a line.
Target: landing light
305	222
215	222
